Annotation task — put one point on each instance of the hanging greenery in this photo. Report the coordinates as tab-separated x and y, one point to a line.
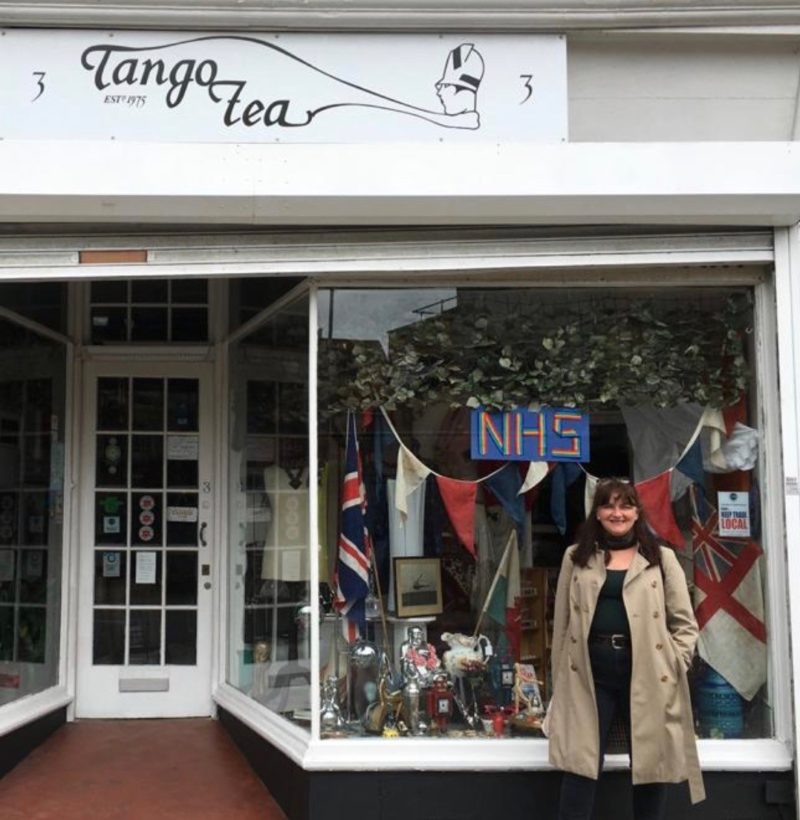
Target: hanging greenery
610	353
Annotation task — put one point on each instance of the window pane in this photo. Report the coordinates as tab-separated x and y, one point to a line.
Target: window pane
182	404
110	519
147	516
145	637
181	639
112	404
148	404
149	290
147	461
110	574
109	637
181	578
190	291
149	324
189	324
111	465
145	577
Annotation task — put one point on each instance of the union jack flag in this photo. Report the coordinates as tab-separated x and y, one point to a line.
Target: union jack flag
729	601
355	548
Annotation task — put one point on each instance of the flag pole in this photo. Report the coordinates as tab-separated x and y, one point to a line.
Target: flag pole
512	538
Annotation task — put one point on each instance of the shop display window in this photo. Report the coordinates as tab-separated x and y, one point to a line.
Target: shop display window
269	594
31	510
437	594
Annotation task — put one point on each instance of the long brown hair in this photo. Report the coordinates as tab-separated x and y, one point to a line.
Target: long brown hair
591	531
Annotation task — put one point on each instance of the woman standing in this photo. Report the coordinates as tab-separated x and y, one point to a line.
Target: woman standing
623	638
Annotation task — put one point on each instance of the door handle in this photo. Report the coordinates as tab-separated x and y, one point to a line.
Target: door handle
202	534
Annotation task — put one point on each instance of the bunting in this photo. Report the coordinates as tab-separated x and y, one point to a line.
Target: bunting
459	501
654	493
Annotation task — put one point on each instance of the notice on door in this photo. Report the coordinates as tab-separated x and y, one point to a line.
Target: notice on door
145	567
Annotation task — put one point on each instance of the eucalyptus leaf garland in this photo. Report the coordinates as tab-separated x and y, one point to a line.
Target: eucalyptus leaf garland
619	352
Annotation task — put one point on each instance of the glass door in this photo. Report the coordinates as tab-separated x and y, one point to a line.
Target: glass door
146	568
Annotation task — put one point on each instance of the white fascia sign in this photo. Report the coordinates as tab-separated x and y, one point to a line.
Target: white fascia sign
287	88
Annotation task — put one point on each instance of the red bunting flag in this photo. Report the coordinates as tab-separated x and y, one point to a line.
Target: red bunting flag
459	501
655	497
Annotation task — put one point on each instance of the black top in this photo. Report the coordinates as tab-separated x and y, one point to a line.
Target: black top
610	617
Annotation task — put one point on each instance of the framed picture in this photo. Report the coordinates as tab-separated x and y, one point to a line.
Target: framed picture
417	586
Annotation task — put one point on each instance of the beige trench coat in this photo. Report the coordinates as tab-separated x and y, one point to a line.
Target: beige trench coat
663	636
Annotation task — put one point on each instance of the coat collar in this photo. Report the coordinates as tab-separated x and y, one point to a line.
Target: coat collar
638	565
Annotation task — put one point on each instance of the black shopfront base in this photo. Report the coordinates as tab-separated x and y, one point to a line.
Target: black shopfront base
428	795
21	742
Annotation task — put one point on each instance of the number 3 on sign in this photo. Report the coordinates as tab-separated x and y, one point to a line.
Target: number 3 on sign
528	87
39	83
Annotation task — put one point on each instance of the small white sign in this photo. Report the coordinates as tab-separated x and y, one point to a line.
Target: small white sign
182	514
734	514
183	448
145	567
111	524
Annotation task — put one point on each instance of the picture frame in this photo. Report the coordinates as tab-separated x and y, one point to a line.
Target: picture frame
418	587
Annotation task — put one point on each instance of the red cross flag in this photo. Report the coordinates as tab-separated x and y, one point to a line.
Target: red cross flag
729	602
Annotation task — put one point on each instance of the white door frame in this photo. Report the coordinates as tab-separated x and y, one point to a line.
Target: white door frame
150	691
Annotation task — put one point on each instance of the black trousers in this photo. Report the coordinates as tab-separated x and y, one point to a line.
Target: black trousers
611	669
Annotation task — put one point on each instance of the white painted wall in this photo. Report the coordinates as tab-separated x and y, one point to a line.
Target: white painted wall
682	87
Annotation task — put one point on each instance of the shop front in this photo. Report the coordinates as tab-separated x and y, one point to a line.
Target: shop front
297	427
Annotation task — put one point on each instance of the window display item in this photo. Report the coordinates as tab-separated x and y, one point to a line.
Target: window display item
440	701
419	659
466	661
331	721
528	706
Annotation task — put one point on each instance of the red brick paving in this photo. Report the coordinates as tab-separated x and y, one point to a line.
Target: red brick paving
136	770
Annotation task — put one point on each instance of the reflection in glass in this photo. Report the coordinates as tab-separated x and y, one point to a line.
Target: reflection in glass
32	633
110	574
108	646
181	578
148	404
268	593
145	577
8	518
181	637
145	636
36	519
147	461
33	576
32	422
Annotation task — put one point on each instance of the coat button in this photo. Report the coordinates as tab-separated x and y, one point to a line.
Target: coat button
655	614
573	639
577	607
659	646
653	584
573	667
664	679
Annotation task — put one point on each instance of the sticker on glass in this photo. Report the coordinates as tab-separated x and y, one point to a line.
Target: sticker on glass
111	524
182	514
146	533
111	565
183	448
6	565
145	567
146	518
147	502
